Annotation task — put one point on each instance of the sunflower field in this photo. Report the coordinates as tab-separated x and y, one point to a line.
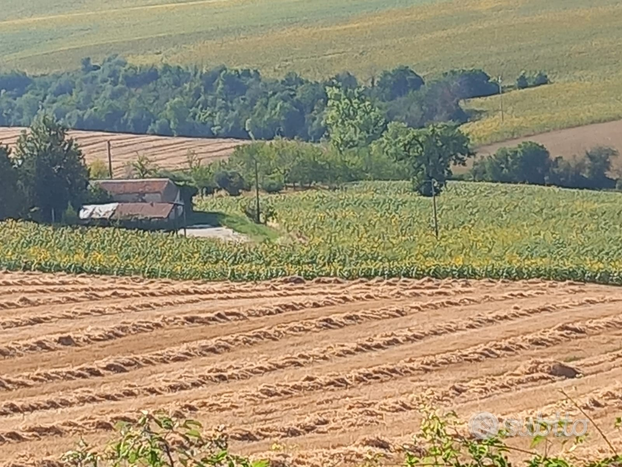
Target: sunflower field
378	229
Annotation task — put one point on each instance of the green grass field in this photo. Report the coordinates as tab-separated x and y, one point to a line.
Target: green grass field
576	42
367	230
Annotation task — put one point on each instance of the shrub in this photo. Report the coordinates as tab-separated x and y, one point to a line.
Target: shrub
541	79
267	211
472	83
97	195
162	441
522	82
70	216
230	181
98	170
159	440
532	80
273	184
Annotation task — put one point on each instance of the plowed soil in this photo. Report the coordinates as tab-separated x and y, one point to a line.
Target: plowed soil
165	152
326	369
570	142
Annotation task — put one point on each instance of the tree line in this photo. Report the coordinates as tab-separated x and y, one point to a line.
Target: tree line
46	178
362	145
532	163
171	100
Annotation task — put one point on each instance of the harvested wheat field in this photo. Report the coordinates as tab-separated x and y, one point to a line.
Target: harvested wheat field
165	152
327	369
570	142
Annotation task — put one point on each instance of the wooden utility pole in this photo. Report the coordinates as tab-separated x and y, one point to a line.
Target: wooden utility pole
501	98
185	221
257	191
109	159
433	182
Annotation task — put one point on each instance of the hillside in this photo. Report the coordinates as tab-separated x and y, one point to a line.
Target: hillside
574	41
165	152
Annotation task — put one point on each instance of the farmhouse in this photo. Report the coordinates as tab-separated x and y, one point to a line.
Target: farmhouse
145	203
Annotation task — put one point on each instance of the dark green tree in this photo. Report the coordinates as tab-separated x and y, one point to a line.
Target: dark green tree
528	162
568	173
522	82
51	169
532	80
230	181
11	197
541	79
345	80
186	101
598	163
86	65
15	82
430	152
398	82
472	83
202	175
438	101
97	195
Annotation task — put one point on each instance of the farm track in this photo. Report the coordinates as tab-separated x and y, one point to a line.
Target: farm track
329	369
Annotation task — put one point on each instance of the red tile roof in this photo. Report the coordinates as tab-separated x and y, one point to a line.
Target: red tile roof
128	187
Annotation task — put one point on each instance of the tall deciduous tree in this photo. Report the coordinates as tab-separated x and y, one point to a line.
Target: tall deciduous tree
430	152
51	168
352	121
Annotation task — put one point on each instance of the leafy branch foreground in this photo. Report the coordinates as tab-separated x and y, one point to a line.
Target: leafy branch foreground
159	440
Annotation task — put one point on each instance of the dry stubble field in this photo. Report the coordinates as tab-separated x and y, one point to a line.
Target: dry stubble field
327	369
166	152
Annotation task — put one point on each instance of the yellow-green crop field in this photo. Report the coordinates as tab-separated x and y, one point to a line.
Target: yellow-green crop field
366	230
576	41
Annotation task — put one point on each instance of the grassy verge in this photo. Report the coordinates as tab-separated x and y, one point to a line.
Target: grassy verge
237	222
